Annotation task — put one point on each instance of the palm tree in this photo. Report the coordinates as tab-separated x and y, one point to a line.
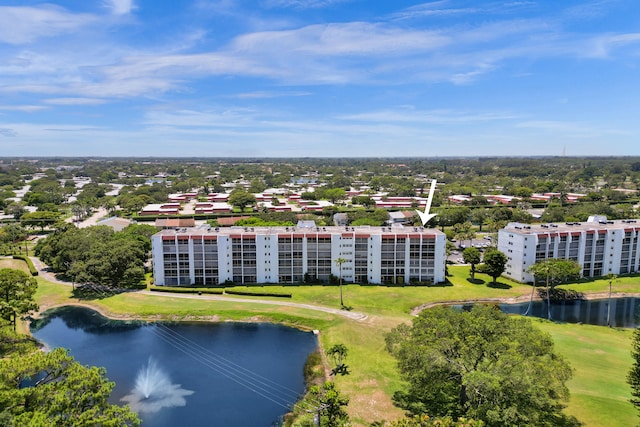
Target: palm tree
339	262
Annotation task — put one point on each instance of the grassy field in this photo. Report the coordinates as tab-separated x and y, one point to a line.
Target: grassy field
599	355
601	359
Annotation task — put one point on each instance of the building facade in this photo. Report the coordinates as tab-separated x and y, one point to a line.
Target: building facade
600	246
377	255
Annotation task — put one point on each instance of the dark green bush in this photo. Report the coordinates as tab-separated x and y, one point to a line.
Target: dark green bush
32	268
257	294
186	290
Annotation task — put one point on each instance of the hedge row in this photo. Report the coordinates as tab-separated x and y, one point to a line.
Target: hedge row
186	290
257	294
32	268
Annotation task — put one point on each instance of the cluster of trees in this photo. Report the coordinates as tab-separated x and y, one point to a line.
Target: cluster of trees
480	364
17	290
52	389
47	389
598	178
493	262
516	176
98	255
11	236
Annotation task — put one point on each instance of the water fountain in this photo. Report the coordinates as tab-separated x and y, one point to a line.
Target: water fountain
151	380
153	390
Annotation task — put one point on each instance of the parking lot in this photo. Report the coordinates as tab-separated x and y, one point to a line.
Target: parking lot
456	255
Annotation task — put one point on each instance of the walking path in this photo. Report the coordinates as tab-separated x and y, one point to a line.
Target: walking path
354	315
47	274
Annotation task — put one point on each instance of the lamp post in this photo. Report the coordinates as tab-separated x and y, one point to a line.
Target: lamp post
339	262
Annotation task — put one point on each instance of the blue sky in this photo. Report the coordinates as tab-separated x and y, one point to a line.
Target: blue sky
319	78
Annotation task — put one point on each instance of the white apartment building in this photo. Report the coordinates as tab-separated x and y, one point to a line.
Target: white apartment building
598	245
377	255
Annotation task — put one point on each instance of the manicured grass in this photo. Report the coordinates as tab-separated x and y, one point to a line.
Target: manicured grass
16	264
395	300
621	284
601	359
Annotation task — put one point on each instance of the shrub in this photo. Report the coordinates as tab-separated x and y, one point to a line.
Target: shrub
32	268
257	294
186	290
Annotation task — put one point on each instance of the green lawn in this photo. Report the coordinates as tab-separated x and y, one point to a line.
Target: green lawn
397	300
621	284
601	359
599	355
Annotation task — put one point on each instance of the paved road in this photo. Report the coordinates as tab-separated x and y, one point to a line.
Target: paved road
92	220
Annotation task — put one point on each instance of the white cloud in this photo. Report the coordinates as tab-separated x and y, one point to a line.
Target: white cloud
340	39
268	94
23	108
302	4
120	7
360	53
75	101
410	115
21	25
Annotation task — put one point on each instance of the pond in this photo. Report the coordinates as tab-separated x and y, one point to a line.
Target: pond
624	311
195	374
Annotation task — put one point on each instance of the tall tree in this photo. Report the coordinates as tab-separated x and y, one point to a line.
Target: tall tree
481	364
472	256
338	354
331	404
240	198
464	231
479	216
494	263
334	194
555	271
17	290
339	261
52	389
424	420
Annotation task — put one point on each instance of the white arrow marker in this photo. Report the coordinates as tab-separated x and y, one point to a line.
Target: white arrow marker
426	216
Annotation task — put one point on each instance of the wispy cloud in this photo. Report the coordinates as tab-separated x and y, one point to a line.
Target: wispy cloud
412	115
75	101
591	9
434	8
268	94
23	108
302	4
21	25
119	7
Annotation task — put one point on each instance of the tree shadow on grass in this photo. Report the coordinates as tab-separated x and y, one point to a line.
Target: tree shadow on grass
89	292
499	285
476	281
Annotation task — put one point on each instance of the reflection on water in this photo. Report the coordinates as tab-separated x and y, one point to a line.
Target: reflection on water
200	374
624	312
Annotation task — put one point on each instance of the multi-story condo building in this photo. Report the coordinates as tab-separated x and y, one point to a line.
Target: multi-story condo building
600	246
377	255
